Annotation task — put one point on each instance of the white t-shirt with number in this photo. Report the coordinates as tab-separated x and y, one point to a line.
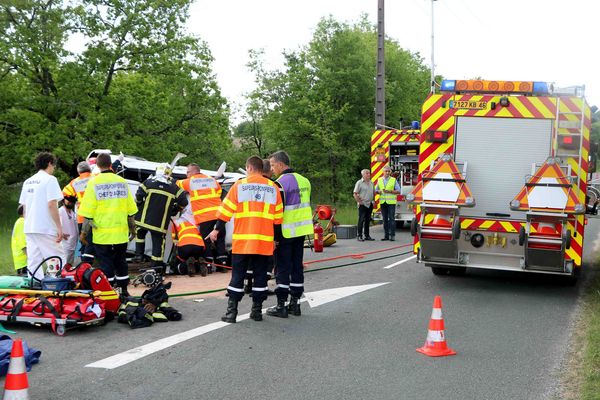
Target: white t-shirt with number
36	193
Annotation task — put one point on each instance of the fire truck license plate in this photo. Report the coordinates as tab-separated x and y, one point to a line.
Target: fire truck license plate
472	105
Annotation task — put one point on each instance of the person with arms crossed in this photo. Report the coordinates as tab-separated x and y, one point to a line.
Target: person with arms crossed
364	193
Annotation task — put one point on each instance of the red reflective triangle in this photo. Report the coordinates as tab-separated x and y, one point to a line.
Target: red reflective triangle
442	184
535	196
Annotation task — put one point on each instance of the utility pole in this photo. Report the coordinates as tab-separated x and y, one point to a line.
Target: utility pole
380	90
432	62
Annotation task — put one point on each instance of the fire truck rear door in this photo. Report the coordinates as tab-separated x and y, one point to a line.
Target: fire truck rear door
499	153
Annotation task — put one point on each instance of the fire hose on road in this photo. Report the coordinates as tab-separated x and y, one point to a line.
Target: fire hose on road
353	256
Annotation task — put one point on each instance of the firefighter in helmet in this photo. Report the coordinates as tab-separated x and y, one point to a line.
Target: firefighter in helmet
158	199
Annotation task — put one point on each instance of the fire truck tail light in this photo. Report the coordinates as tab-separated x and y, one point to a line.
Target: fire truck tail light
436	136
569	141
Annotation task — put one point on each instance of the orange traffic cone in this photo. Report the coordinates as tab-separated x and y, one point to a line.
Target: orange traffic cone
16	385
435	345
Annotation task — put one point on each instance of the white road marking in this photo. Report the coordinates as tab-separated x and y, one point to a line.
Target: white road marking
314	299
400	262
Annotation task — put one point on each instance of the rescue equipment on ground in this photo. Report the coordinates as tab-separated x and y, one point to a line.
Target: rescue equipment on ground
324	213
87	277
149	277
152	306
59	310
318	237
435	344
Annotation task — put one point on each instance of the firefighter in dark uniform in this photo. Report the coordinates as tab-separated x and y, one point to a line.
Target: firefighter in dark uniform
158	199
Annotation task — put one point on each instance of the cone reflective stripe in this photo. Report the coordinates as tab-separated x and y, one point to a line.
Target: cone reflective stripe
435	344
16	385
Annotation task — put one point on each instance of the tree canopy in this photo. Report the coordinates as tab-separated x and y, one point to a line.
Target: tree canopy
320	107
140	84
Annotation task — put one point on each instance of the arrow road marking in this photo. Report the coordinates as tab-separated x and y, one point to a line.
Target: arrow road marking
400	262
314	299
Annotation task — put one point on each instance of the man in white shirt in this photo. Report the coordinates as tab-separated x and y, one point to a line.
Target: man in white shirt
43	230
68	220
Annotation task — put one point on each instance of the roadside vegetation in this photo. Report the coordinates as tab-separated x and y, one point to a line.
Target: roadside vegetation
580	372
591	357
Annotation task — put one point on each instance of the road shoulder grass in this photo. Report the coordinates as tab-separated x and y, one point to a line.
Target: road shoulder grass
581	371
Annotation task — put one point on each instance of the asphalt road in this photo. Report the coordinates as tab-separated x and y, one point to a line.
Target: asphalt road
510	331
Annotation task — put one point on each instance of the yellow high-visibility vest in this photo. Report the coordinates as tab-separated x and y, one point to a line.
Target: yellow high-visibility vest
18	243
108	202
389	198
297	213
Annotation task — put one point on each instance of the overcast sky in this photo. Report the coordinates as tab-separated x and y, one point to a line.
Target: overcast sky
530	40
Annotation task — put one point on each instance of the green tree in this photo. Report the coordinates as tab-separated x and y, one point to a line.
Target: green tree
320	107
141	85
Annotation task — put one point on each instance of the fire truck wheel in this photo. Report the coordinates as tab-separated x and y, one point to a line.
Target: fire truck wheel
522	236
456	228
414	226
440	270
458	271
571	280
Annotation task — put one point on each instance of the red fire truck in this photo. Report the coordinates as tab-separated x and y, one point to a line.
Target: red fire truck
503	178
400	150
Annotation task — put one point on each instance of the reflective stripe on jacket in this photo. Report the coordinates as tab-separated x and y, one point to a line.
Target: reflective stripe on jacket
297	213
76	188
185	233
389	198
256	204
108	202
155	200
205	196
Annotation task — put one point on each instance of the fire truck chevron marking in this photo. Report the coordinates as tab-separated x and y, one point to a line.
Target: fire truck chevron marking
564	115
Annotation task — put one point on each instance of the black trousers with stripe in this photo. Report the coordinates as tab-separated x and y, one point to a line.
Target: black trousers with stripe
158	244
289	267
241	263
113	263
215	252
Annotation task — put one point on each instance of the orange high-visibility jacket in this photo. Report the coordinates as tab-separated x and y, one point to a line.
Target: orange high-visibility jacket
256	204
76	188
185	233
205	196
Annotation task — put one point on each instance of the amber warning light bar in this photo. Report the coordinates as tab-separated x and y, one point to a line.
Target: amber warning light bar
480	86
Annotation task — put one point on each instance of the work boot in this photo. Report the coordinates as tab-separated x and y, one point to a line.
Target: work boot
294	306
280	310
232	311
256	312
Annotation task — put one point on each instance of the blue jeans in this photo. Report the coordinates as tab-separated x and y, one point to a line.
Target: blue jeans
388	214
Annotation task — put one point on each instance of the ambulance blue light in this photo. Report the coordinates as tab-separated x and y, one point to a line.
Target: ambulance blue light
540	88
447	86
